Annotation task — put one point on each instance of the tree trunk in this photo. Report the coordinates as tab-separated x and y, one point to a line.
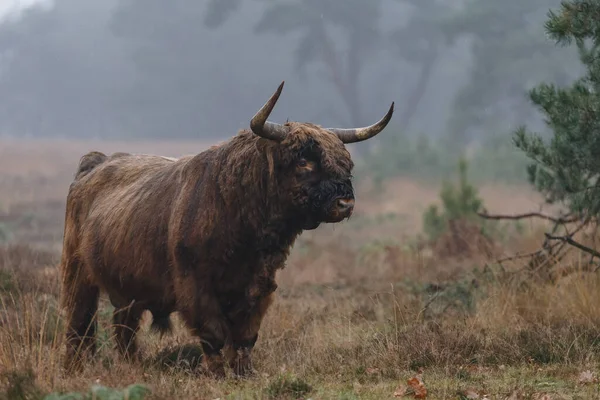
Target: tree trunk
346	80
412	105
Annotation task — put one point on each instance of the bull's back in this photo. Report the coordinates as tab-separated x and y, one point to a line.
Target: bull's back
120	211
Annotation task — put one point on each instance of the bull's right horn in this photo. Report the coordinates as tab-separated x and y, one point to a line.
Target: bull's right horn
266	129
360	134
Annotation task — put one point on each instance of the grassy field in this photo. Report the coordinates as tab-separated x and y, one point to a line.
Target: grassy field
362	306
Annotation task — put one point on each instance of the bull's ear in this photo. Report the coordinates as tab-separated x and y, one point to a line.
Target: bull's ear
264	128
360	134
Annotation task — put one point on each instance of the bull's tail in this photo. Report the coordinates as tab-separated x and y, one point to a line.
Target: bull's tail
88	162
72	273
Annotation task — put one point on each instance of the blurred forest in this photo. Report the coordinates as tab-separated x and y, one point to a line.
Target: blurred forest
458	70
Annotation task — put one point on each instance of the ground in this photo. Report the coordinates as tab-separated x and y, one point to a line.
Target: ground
361	308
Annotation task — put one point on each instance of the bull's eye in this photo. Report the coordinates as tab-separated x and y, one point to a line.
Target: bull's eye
304	166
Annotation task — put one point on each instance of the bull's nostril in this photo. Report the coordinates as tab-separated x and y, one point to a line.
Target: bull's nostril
345	204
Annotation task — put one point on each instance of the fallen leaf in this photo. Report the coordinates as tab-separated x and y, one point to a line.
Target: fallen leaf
470	394
372	371
400	391
514	396
416	384
587	377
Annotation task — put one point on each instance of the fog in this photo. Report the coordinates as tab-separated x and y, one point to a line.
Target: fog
200	69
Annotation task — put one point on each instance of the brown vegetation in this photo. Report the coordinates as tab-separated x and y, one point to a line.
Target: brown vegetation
358	311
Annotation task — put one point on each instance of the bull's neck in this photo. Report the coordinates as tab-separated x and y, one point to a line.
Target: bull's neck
248	183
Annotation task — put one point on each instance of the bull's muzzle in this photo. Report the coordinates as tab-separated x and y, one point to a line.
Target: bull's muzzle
342	208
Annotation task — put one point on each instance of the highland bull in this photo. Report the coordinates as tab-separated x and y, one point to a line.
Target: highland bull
202	235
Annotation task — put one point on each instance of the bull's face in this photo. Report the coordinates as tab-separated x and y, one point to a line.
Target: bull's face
314	166
317	172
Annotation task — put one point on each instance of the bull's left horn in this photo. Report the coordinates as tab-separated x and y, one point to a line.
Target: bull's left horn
264	128
360	134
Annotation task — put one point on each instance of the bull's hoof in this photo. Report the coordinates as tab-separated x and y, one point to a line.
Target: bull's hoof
241	364
214	366
242	372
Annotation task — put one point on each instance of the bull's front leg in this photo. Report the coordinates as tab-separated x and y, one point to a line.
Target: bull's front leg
202	312
245	329
247	316
214	332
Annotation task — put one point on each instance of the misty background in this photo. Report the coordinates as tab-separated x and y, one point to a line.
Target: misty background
457	69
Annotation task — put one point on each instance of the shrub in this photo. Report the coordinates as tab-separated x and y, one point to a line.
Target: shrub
458	202
288	387
456	229
20	385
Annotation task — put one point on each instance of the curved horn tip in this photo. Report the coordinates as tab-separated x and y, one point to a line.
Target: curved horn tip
391	110
260	125
277	93
360	134
373	130
279	89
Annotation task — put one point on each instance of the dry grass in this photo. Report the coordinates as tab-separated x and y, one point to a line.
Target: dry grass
359	310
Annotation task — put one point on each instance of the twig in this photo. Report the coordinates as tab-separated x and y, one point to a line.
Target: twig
431	300
527	215
525	255
569	240
552	249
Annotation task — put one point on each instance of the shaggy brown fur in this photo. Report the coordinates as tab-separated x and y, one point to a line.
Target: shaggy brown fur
202	235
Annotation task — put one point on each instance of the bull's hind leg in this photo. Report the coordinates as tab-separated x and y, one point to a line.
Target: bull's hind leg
126	322
81	324
245	334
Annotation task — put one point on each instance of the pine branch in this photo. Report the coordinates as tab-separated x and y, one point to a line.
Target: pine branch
568	239
551	249
531	254
559	220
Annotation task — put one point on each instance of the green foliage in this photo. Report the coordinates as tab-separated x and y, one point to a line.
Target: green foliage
7	282
496	159
99	392
20	385
288	387
459	202
566	168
